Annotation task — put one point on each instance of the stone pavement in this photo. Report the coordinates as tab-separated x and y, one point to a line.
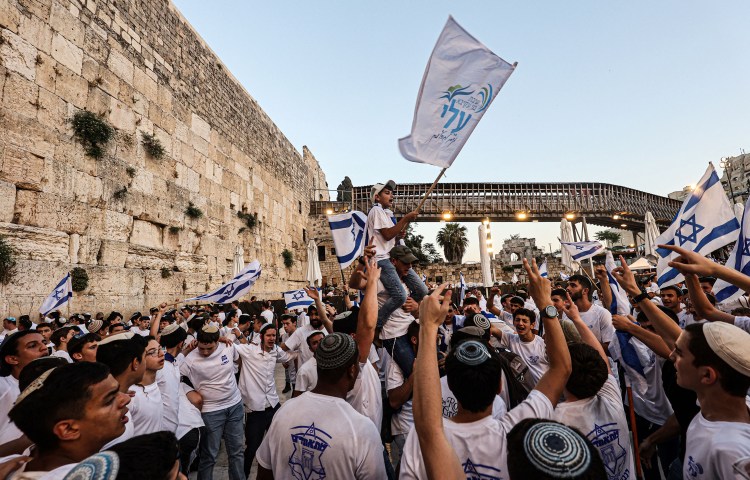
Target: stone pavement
221	471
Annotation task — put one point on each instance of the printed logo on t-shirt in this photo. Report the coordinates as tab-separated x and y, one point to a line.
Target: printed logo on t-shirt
309	446
450	407
475	471
694	468
224	360
533	359
607	439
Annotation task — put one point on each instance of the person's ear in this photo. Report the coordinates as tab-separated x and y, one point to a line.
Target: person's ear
708	375
67	430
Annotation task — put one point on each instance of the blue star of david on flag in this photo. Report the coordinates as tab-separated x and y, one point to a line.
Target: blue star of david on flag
693	235
739	260
746	248
297	299
62	293
234	288
298	295
580	251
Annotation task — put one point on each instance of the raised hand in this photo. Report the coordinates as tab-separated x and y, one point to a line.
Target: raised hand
625	277
540	288
372	273
622	323
370	249
570	308
312	292
691	262
433	308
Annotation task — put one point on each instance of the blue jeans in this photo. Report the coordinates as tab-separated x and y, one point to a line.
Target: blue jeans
396	293
225	423
401	352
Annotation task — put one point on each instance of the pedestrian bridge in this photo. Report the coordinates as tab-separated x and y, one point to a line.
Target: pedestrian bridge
601	204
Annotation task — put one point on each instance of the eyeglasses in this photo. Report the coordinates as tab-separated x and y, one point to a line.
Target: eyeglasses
154	352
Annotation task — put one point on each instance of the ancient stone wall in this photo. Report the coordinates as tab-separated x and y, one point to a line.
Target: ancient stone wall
141	67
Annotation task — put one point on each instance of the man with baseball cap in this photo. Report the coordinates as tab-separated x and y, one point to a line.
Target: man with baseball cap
713	359
9	327
383	230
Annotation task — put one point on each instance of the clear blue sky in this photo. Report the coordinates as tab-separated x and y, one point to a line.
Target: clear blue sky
641	94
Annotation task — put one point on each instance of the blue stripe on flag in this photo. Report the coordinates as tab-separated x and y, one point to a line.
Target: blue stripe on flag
668	275
700	190
357	242
718	232
586	252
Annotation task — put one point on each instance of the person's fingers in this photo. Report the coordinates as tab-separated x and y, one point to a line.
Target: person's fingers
438	291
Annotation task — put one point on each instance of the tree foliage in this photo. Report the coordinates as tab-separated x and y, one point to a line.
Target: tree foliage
608	236
426	253
452	239
344	190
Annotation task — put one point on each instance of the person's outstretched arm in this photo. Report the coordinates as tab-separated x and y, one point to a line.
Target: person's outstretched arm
601	275
587	336
439	457
701	304
313	293
664	326
626	323
553	381
368	312
691	262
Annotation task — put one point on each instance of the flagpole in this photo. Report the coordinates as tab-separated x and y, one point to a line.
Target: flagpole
432	187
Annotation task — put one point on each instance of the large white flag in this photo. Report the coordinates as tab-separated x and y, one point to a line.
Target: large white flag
62	293
739	259
460	82
580	251
296	299
705	222
620	304
234	288
348	232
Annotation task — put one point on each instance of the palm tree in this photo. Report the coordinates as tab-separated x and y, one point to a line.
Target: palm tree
609	236
452	239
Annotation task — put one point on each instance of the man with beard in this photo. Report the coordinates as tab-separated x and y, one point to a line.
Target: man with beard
597	318
297	341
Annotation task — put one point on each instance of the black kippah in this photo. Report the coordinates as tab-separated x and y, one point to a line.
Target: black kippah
335	350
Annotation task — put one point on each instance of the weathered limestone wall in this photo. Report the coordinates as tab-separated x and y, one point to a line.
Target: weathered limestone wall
140	65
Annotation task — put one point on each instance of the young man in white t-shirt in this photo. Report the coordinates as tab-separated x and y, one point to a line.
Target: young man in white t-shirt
258	387
597	318
593	403
525	343
147	408
383	230
473	369
319	434
297	341
210	369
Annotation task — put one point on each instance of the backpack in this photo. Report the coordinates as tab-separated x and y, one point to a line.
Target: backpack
518	380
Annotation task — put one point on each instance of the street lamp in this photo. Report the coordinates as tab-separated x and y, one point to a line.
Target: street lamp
570	216
329	211
447	215
521	215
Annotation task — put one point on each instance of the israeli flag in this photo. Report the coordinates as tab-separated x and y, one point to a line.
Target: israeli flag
543	269
234	288
424	279
348	232
564	277
580	251
462	286
739	260
620	304
705	222
61	295
462	79
297	299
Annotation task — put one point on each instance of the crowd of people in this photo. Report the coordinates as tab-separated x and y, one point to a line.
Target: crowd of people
406	382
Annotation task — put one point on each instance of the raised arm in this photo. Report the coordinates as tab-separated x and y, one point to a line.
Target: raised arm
587	336
156	320
701	304
691	262
650	339
601	274
664	326
494	291
553	381
438	454
368	312
391	232
313	293
357	280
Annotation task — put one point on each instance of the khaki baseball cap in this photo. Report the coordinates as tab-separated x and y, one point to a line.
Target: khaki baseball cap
378	187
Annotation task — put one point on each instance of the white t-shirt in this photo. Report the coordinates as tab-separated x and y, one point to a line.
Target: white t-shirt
601	419
401	421
146	409
319	436
481	445
190	416
257	382
365	397
743	323
268	315
450	404
649	399
57	474
213	377
533	353
62	354
9	392
377	218
168	380
297	342
599	320
399	321
713	447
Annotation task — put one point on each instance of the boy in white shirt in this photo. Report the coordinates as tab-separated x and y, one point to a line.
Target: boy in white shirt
525	343
318	434
383	231
210	369
146	408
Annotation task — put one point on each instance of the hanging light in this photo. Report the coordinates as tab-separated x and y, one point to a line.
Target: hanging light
329	211
615	217
521	215
486	222
624	225
447	215
570	216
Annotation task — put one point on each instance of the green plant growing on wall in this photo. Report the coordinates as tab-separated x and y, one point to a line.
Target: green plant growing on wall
7	261
130	171
288	258
79	279
193	212
152	145
120	194
250	219
166	272
92	132
174	230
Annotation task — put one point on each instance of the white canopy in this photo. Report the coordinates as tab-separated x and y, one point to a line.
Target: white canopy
641	264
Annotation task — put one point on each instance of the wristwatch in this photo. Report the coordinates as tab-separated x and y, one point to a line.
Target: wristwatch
640	297
548	312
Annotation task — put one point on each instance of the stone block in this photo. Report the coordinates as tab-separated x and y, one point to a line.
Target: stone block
7	201
200	127
63	21
36	32
22	167
106	281
71	87
121	66
149	258
10	17
117	226
32	243
146	234
52	111
67	53
20	95
112	253
121	116
18	55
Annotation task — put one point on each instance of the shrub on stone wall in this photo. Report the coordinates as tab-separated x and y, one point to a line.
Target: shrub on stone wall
79	279
166	272
152	145
7	261
174	230
288	258
250	219
92	131
192	211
